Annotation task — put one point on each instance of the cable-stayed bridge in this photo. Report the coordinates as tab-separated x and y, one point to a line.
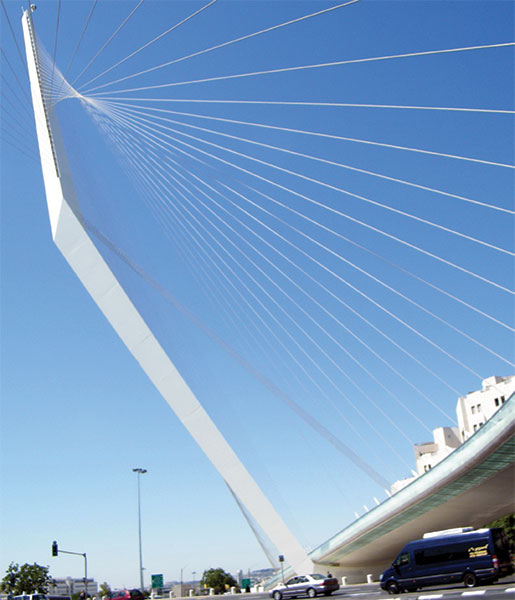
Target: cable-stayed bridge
332	267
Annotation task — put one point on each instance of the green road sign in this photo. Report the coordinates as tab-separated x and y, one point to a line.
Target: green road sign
157	581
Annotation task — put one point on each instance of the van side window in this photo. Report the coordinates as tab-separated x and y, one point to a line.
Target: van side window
451	552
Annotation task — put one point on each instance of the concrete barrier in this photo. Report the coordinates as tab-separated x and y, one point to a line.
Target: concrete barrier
370	578
344	580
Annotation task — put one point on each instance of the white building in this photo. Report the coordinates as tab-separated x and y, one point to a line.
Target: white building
427	455
66	586
476	408
472	410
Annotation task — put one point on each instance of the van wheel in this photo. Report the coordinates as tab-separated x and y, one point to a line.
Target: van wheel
392	588
470	580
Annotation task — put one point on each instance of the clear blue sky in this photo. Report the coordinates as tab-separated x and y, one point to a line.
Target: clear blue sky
77	414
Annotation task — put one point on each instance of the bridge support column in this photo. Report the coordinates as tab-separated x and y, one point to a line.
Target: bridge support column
73	241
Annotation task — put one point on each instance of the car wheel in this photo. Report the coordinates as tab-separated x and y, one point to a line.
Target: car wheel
392	588
470	580
277	595
311	593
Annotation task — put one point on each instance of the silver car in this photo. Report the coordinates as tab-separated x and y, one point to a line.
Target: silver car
306	585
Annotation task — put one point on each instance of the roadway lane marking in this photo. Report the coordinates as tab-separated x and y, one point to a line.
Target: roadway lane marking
509	590
478	593
434	596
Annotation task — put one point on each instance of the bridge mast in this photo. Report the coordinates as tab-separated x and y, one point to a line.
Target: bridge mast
79	251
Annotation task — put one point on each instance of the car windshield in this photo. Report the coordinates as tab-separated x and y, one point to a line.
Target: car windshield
317	576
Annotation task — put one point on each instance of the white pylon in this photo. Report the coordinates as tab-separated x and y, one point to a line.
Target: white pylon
79	251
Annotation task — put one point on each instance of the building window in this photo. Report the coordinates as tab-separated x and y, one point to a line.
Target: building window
475	426
473	409
502	399
496	402
478	407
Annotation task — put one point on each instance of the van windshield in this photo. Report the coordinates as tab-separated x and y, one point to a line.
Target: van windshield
402	559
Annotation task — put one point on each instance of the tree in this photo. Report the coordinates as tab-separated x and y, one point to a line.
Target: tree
105	590
27	579
217	579
508	524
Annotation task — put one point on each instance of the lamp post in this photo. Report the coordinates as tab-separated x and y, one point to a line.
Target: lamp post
182	580
140	472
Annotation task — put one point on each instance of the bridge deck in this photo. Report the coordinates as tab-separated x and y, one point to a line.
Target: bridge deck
471	487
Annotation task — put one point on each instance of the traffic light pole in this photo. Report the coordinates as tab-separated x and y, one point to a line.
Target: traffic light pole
55	552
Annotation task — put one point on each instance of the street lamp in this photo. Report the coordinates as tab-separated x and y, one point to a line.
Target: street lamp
182	587
140	472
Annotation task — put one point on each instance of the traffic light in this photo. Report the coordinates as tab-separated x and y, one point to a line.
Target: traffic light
55	551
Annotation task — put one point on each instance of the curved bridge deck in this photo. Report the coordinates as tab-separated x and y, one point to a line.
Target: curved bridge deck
471	487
